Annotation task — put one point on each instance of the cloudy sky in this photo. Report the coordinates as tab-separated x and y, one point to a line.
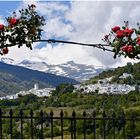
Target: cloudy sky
82	21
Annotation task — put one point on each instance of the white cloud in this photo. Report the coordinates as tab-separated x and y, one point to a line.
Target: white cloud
55	27
1	20
87	22
63	53
19	54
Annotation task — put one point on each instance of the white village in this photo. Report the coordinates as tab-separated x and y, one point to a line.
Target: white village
45	92
102	87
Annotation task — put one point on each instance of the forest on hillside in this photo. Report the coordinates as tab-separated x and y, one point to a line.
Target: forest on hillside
130	68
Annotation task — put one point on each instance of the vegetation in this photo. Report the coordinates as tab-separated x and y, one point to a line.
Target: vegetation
68	101
130	68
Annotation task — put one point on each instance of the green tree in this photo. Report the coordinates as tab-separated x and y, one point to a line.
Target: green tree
64	88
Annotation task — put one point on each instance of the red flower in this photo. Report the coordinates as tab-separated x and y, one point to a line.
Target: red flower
115	29
33	6
127	49
1	27
130	49
119	34
13	21
128	32
5	50
138	40
124	48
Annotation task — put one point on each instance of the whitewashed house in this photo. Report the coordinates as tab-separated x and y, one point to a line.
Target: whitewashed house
36	91
103	89
125	75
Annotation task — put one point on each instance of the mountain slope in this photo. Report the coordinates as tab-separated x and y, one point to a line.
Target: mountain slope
79	72
116	74
15	78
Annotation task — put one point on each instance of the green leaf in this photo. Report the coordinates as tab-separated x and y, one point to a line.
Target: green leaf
138	32
113	44
114	56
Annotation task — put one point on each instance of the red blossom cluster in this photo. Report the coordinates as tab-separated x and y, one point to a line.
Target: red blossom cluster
124	40
12	22
5	50
127	49
122	33
1	27
22	30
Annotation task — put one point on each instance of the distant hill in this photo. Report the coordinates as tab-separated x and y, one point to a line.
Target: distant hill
14	79
79	72
133	69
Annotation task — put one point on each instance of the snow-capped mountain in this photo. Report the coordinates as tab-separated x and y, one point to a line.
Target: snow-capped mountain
8	61
79	72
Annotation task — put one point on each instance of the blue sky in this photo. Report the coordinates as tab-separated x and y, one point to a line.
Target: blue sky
7	6
82	21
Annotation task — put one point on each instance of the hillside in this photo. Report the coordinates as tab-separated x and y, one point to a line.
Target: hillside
130	68
14	79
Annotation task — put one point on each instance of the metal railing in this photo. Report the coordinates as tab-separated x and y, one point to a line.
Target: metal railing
91	126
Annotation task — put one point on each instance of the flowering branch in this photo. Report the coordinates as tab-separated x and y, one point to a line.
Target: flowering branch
22	29
125	41
26	29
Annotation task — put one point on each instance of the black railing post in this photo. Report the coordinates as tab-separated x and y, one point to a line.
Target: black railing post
71	129
133	126
94	124
61	118
113	121
51	117
104	127
123	123
32	129
84	127
11	123
41	117
0	123
74	123
21	123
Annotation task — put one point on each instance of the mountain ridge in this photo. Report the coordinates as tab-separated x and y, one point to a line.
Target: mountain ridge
15	78
70	69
